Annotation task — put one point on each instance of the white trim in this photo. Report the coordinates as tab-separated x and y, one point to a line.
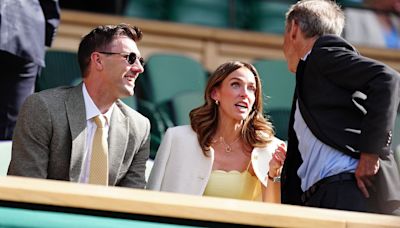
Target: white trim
356	131
362	96
352	149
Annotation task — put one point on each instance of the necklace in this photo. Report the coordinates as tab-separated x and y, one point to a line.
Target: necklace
228	147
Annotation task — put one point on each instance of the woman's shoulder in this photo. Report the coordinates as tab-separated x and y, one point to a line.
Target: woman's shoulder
183	129
270	147
182	132
182	138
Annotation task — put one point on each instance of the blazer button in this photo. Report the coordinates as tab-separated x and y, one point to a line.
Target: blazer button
389	138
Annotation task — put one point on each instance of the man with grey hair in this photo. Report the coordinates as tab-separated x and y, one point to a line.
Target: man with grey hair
342	117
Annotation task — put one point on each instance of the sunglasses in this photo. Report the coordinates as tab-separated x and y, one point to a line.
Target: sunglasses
130	57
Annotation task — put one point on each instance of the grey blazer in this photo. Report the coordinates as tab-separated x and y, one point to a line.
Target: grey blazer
50	136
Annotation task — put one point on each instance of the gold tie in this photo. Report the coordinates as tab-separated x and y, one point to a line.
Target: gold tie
99	159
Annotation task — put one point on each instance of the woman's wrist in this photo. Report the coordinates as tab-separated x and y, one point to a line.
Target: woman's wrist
276	178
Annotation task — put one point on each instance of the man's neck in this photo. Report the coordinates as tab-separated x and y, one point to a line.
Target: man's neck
306	46
99	96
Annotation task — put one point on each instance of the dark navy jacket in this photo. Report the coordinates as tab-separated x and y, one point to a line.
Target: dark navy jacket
350	103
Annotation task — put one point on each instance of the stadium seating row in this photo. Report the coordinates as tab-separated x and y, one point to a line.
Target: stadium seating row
256	15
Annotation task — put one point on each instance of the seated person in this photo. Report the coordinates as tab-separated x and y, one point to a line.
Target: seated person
230	149
85	133
376	26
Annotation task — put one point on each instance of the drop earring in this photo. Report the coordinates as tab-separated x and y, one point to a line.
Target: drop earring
216	102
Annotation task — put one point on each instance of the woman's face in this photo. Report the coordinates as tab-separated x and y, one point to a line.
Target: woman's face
236	95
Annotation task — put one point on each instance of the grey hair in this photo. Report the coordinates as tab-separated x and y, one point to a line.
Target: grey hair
316	17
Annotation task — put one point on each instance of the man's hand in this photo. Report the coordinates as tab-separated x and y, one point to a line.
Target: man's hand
367	167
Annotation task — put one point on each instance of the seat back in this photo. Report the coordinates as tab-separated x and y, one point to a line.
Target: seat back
280	121
167	75
214	13
149	9
277	81
182	104
61	69
278	87
267	16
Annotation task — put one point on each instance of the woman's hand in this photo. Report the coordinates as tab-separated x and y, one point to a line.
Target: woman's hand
278	158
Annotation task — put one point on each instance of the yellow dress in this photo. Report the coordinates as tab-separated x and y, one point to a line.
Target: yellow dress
233	184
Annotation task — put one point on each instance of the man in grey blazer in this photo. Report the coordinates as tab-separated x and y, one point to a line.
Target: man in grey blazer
54	131
26	28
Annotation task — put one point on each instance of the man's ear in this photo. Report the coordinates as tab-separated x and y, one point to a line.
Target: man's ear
294	27
96	60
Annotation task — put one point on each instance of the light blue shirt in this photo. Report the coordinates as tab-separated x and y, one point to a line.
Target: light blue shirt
392	38
319	159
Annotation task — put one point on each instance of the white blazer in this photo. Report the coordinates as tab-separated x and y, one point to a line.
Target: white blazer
180	165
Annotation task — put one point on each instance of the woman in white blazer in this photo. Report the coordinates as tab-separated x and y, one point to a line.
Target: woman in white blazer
229	150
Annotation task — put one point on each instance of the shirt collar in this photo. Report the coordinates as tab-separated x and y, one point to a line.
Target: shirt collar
91	108
306	55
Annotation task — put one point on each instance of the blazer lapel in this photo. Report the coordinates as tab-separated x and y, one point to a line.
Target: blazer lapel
200	173
75	108
206	164
117	142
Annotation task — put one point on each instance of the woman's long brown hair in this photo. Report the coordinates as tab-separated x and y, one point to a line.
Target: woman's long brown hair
256	131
